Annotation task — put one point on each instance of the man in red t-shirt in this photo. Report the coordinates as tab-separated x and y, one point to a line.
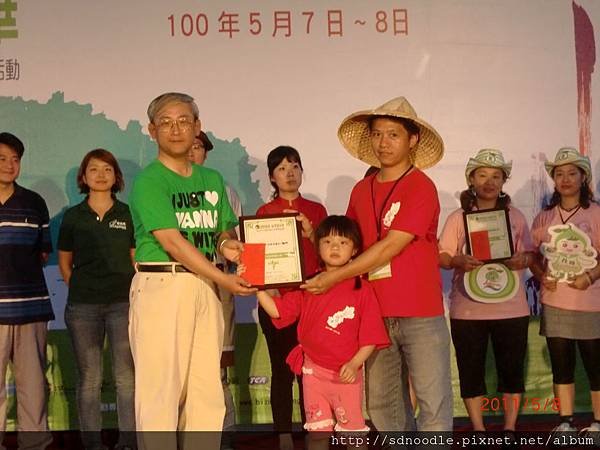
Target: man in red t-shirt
397	210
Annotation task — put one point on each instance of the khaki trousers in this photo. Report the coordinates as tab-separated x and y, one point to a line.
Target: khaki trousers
25	346
176	337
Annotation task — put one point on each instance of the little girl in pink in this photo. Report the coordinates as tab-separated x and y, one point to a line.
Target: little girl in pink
337	332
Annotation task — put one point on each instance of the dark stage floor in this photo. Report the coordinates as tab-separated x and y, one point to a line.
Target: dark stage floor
533	430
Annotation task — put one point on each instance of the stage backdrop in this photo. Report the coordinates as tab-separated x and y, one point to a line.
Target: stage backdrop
514	75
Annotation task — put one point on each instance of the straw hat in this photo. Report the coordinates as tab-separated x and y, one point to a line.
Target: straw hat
569	155
488	157
354	134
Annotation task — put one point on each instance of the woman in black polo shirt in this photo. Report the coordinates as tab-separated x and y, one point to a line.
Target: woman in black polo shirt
96	247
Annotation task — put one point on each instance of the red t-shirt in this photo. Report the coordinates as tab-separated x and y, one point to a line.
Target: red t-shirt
415	287
315	213
334	325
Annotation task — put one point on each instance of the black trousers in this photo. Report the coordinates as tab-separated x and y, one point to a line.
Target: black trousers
509	343
562	358
280	343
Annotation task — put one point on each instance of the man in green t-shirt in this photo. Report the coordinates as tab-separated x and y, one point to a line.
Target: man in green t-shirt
182	219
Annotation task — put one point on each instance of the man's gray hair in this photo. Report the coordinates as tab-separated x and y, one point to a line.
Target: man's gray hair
159	102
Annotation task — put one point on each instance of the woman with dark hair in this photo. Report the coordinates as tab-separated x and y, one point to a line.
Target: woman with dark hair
96	247
502	318
567	234
285	174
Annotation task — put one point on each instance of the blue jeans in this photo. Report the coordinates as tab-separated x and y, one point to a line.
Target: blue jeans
420	347
88	324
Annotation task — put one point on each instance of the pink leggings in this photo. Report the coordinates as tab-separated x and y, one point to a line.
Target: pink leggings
329	402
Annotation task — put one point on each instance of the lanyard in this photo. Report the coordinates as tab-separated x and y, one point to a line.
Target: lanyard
562	219
379	217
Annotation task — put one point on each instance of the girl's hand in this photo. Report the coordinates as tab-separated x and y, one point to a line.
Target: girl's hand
307	228
465	262
348	372
241	269
549	283
581	282
231	249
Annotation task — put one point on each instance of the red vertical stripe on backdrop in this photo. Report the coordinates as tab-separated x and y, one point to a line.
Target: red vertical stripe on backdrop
585	56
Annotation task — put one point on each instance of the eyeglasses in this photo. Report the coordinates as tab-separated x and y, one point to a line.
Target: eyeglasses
183	123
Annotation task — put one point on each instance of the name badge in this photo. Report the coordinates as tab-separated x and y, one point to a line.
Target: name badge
384	271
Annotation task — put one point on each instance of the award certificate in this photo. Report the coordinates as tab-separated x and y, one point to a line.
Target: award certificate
282	236
488	235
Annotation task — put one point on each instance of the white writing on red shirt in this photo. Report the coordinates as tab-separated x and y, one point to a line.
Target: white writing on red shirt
391	213
340	316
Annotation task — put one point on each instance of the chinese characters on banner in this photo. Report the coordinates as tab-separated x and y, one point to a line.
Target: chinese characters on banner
285	23
9	68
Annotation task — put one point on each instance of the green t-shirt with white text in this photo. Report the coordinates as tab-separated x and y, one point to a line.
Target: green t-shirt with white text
196	205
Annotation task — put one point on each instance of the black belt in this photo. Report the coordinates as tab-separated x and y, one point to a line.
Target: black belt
162	268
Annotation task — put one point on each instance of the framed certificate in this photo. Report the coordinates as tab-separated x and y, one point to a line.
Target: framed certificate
281	235
488	234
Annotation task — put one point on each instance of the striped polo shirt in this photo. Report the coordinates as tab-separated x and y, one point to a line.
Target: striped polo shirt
24	236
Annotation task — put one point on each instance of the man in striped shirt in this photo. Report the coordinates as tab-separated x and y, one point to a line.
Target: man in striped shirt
25	307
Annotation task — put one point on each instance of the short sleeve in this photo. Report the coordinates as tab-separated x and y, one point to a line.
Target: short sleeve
130	228
595	231
417	210
152	204
372	330
234	200
66	233
350	211
45	241
227	218
538	229
289	307
452	234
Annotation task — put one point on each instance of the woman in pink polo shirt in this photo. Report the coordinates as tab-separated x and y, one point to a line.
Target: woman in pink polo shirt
502	318
567	232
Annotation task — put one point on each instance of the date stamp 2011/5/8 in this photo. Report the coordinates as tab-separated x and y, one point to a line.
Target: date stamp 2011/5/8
534	404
